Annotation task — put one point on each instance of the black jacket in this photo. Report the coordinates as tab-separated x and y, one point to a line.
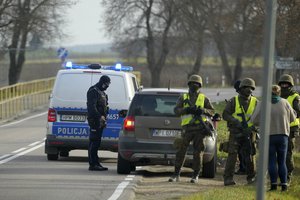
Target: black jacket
97	103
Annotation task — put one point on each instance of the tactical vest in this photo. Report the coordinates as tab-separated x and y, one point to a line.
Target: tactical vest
240	110
186	119
290	99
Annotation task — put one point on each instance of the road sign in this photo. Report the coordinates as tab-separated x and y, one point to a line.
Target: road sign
287	64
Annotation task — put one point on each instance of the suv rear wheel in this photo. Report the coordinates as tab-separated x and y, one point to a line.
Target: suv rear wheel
209	169
123	166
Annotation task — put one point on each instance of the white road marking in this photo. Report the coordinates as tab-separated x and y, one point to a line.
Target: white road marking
21	154
128	179
4	156
33	144
17	122
117	193
18	150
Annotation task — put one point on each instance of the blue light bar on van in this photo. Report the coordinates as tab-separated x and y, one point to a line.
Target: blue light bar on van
119	67
70	65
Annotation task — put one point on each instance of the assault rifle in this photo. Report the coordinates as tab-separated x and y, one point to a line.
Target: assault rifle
207	129
246	134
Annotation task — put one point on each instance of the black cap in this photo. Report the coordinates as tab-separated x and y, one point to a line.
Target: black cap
104	79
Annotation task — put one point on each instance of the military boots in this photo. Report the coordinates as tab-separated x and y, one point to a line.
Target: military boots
174	178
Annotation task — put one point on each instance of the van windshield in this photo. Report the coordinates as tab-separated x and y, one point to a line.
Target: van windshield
153	105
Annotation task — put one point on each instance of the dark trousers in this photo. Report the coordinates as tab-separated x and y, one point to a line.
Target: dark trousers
289	156
277	157
238	146
94	144
242	165
198	147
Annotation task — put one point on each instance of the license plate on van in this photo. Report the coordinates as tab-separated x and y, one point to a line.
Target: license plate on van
165	133
73	118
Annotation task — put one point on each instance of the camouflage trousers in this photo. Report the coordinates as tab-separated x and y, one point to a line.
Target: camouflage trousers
235	146
289	156
198	147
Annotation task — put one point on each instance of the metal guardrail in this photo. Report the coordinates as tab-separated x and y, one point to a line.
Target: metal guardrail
18	98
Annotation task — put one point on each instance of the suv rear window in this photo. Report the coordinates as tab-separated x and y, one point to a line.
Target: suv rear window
153	105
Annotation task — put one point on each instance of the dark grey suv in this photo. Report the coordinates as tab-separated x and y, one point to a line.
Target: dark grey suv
149	130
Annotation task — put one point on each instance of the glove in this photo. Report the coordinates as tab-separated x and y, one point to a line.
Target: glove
191	110
199	111
237	123
102	122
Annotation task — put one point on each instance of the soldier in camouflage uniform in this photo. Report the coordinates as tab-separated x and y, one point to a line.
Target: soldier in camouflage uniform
286	84
191	104
241	105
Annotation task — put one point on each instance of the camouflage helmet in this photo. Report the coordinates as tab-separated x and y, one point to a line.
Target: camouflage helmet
287	79
248	82
195	78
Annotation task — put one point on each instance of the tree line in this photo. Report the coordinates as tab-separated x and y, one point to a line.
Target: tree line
25	21
161	30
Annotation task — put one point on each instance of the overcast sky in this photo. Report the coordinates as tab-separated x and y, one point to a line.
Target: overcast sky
84	26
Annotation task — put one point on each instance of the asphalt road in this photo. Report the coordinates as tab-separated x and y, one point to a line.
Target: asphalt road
25	172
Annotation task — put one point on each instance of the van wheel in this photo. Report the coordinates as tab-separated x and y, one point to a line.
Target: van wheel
123	166
52	156
210	168
132	167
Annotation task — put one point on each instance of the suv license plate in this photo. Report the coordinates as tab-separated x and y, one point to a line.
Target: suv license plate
166	133
73	118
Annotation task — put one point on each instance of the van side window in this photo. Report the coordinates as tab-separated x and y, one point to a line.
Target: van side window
134	84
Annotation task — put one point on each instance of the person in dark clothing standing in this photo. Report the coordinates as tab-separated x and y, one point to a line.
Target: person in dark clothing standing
242	164
97	107
286	83
190	106
237	113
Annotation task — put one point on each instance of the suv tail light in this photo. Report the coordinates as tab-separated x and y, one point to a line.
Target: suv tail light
51	115
129	123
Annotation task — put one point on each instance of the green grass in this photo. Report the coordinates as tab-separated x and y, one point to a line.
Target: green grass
245	192
222	127
249	192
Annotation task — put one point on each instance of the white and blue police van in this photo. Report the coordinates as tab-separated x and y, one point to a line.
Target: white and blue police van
67	127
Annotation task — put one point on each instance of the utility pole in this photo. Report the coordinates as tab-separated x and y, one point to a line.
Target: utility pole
269	42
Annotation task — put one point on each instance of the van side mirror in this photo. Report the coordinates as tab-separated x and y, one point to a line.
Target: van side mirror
123	113
216	117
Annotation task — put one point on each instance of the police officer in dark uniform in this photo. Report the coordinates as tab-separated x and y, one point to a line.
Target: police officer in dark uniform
238	107
191	104
286	84
97	107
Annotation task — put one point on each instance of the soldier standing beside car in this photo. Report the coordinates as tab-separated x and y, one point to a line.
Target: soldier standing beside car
286	84
97	107
242	165
190	106
237	114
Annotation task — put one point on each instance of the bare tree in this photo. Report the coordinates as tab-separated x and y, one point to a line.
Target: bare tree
242	34
192	21
146	20
5	21
32	16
